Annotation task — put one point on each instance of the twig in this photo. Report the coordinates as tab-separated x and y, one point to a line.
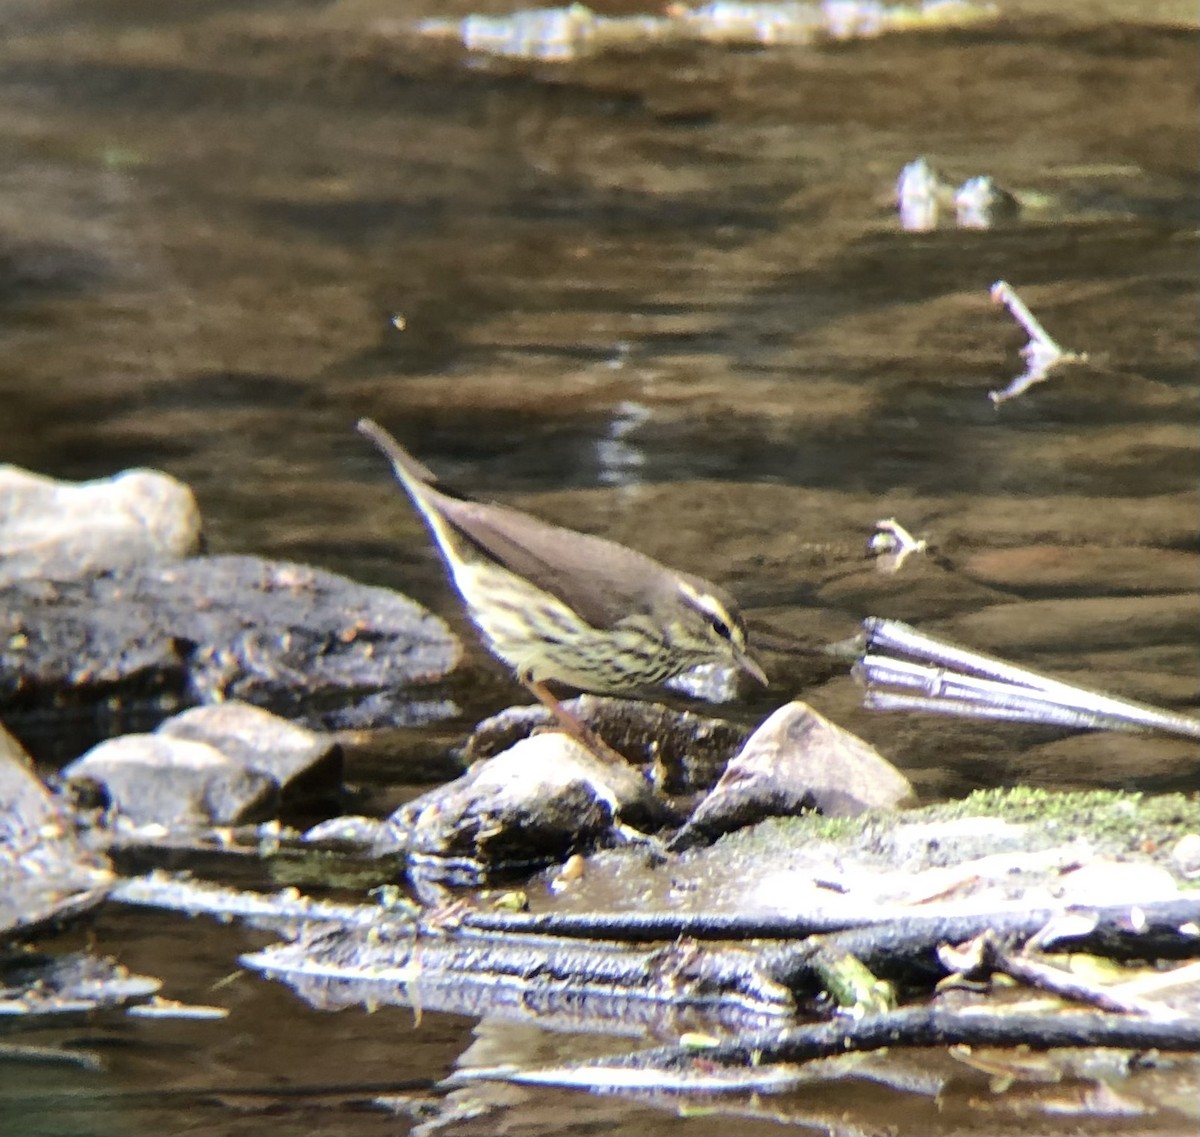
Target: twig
678	1067
927	674
894	544
986	954
1041	353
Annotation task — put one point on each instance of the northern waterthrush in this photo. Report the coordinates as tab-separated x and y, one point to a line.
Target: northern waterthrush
568	607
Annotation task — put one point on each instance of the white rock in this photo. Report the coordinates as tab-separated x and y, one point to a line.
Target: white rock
60	530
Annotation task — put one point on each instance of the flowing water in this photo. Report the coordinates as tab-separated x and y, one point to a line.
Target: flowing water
659	294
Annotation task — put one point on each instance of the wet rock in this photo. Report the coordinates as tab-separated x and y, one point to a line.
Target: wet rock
534	804
45	871
686	751
708	682
925	199
304	643
301	762
1092	570
50	985
174	782
352	830
1185	854
62	530
228	764
796	761
1086	623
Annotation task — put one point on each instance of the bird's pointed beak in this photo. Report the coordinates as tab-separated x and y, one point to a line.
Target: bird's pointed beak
750	666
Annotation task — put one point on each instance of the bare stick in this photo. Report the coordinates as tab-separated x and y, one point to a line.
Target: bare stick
1041	353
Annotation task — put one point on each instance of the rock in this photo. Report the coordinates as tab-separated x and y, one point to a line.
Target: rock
1104	881
1185	854
62	530
686	751
301	762
1087	623
351	830
797	760
1083	570
175	782
227	764
534	804
69	984
45	872
150	639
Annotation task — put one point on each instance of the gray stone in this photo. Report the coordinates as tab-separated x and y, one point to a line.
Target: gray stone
300	761
61	530
797	760
1185	854
534	804
175	782
45	872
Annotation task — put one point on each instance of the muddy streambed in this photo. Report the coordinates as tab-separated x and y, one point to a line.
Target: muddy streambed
661	294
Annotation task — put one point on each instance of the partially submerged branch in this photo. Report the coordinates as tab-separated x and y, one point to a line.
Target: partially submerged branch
893	544
678	1067
903	669
1041	353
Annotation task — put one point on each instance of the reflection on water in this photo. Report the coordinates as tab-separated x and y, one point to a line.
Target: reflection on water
661	296
620	458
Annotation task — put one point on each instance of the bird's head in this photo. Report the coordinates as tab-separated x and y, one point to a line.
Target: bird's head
711	626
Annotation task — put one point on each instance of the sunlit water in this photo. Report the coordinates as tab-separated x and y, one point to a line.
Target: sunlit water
659	296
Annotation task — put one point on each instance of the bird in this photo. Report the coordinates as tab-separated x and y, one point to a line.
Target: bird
560	606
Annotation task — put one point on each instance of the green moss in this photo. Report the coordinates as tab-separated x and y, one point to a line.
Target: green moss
774	833
1113	822
1111	819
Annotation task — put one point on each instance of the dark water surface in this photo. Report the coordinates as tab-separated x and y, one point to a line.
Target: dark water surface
662	296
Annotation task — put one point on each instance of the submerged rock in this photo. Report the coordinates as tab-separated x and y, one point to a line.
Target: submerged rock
52	530
222	765
68	984
558	35
301	642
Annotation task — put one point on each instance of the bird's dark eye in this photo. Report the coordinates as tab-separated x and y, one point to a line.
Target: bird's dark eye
721	628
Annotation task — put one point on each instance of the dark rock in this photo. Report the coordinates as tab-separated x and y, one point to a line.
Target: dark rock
45	872
797	760
306	644
51	530
686	751
534	804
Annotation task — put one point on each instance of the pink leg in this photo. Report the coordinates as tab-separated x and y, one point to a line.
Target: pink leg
574	726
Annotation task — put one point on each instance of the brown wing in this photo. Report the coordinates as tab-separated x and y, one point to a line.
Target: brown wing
599	579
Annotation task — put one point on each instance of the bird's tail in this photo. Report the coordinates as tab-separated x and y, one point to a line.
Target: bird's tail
400	458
